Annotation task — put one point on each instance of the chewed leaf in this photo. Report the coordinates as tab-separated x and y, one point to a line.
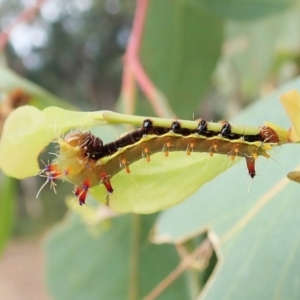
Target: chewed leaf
291	103
161	183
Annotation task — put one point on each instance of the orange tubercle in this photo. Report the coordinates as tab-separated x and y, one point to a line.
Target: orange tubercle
166	148
52	170
190	148
234	152
213	149
124	164
146	154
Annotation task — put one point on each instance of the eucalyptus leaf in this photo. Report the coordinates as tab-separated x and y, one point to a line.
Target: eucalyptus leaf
111	265
161	183
244	9
180	48
255	223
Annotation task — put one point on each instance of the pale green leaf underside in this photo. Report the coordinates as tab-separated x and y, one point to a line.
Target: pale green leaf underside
180	48
99	266
162	182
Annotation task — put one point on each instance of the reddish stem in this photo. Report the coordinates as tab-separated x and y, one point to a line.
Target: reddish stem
132	62
128	90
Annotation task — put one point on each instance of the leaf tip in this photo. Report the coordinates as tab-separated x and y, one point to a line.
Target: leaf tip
294	176
291	103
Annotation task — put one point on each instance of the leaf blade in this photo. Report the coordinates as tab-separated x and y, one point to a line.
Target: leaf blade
179	39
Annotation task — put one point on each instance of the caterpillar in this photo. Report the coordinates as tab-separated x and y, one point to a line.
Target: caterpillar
86	161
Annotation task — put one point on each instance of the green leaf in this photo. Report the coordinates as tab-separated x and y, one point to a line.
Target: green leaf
244	9
180	48
161	183
7	204
253	57
85	266
255	223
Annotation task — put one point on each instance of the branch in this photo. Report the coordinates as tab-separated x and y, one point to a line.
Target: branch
132	62
185	263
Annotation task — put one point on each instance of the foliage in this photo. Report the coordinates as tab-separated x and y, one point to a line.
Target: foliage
235	238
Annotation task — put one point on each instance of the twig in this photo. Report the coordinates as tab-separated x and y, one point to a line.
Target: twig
185	263
128	90
132	61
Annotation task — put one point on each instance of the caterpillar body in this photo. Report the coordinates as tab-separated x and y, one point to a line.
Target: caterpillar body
86	161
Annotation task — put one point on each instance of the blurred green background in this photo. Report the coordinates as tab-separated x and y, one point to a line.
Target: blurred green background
210	59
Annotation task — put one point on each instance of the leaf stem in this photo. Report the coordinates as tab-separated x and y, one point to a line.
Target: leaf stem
116	118
184	264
